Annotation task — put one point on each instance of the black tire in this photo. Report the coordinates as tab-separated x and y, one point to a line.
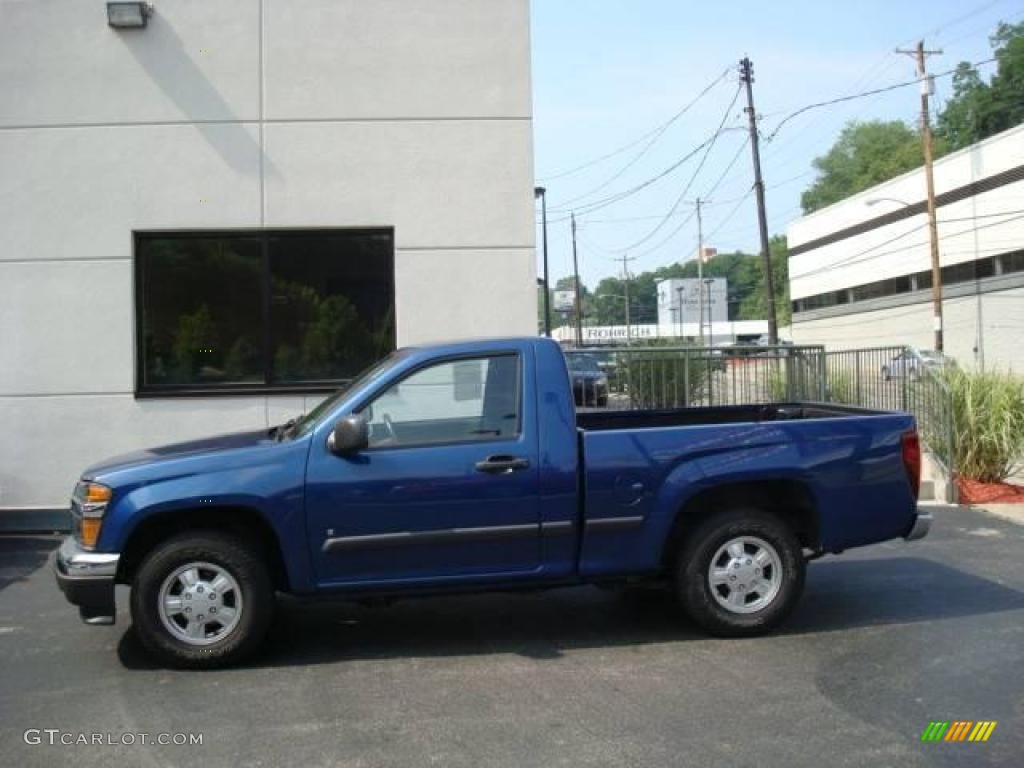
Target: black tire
693	580
242	563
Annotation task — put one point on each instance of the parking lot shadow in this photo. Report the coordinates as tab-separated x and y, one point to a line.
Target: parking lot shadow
542	625
21	556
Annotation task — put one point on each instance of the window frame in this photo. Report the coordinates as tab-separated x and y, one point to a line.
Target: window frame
267	386
361	405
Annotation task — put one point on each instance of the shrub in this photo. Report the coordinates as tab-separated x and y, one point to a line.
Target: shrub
657	378
792	378
840	388
988	423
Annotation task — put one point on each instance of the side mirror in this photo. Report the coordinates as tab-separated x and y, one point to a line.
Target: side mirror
349	436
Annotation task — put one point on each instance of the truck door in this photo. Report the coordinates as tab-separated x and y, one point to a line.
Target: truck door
448	486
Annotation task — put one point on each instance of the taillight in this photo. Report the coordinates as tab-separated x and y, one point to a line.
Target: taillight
911	446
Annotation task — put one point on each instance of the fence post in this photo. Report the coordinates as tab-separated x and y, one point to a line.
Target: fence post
856	366
822	375
903	389
686	377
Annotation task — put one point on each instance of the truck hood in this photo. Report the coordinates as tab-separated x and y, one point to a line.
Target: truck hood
193	448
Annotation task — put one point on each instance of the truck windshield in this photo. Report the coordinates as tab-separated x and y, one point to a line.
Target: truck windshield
375	371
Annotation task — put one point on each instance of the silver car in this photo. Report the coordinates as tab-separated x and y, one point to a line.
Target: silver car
913	363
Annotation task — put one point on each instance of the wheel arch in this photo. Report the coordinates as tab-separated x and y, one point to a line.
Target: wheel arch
246	523
787	498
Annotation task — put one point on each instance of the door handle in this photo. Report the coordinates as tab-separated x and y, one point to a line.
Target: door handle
502	465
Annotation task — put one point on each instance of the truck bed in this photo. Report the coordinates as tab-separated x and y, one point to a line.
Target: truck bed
640	467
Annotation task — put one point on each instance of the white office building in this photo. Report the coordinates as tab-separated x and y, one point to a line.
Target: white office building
212	219
860	270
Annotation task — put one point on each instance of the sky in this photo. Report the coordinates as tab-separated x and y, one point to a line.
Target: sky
607	73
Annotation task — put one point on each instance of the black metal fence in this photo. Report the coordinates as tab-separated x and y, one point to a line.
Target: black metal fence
896	379
881	378
677	377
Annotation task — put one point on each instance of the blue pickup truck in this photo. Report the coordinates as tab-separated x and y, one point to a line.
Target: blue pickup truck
466	466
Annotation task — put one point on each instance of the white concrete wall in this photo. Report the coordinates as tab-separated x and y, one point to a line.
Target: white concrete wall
242	114
1000	321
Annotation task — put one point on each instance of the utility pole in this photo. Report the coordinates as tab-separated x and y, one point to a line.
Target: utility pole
700	269
542	194
747	76
576	275
919	55
625	283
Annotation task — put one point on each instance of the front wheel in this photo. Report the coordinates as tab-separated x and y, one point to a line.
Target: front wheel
202	600
740	573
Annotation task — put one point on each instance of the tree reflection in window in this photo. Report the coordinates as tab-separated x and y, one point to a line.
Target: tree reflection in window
202	319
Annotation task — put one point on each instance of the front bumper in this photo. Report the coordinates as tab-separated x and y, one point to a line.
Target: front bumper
87	580
921	526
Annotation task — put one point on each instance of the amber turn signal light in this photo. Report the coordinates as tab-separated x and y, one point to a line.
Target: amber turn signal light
90	531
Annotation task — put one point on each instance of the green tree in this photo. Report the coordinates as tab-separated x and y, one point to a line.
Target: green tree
753	306
744	272
194	340
568	283
978	109
864	155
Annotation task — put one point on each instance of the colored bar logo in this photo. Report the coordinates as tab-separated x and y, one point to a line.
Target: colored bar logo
958	730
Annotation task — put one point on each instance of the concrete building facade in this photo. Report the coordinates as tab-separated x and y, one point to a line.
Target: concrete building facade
315	147
860	270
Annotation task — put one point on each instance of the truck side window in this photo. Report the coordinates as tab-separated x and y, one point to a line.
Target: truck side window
455	401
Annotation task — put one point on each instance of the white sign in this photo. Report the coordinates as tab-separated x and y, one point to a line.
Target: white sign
565	301
596	334
680	300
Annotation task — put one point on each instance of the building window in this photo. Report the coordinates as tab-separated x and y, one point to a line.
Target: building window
919	281
1011	262
248	311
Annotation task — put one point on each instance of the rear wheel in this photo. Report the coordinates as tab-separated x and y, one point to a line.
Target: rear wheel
740	573
202	600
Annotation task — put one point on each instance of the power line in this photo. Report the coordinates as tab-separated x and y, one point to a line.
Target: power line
861	95
656	132
682	195
612	199
731	213
855	258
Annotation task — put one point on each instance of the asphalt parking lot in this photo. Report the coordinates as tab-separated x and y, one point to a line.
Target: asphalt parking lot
886	639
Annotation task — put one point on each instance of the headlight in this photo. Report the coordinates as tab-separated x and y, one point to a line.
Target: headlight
88	505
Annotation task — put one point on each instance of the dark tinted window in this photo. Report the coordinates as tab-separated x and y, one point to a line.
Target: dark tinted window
245	311
331	310
1012	262
200	310
951	275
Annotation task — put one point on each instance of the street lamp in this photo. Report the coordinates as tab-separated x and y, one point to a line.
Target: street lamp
933	238
877	200
541	192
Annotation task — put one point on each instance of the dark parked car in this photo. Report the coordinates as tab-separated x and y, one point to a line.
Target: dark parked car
589	382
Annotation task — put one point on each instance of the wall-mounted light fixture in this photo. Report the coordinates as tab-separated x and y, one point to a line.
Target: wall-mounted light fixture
128	15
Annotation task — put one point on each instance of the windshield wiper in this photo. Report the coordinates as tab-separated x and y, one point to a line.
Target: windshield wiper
281	430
